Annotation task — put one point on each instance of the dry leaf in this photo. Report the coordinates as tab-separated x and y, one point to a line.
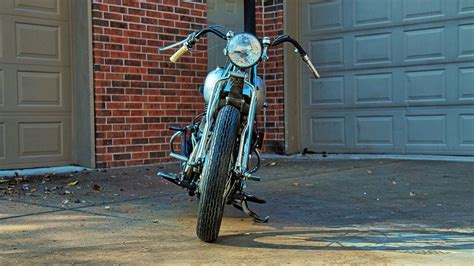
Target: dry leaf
73	183
96	188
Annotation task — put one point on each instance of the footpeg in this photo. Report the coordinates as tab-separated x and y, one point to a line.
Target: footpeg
174	178
170	177
252	177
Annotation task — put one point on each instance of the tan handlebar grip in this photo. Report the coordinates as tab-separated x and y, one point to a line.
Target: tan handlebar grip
179	53
311	66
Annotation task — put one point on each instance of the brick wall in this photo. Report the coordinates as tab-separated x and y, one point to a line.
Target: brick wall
269	20
139	93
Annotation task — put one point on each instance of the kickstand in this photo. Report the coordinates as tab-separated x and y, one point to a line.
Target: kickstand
245	208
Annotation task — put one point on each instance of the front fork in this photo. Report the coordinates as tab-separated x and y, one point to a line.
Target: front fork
242	162
197	156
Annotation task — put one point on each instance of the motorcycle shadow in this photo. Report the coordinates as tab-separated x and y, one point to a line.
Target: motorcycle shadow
422	241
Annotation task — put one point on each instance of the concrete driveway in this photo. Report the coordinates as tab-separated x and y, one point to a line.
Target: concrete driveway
333	211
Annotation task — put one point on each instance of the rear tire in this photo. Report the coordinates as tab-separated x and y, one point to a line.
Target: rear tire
216	173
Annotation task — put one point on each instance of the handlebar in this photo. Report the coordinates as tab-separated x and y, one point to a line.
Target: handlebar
193	37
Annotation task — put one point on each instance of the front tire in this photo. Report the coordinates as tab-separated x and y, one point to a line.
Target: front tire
216	173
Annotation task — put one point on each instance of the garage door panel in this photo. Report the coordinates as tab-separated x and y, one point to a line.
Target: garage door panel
329	131
2	141
47	9
425	85
466	83
466	130
466	40
44	139
27	37
40	139
36	140
39	88
423	8
329	52
466	6
35	41
374	131
374	88
372	12
428	131
371	49
30	88
433	40
2	87
327	91
2	38
324	15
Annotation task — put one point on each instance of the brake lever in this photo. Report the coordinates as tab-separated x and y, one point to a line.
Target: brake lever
174	44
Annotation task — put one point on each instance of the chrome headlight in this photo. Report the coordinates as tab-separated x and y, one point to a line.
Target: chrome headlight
244	50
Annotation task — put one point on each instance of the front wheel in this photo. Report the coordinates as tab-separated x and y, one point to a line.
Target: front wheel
216	173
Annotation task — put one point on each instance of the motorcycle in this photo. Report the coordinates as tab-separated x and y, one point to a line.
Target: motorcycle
218	146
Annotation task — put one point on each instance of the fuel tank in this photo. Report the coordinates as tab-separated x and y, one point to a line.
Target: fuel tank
216	74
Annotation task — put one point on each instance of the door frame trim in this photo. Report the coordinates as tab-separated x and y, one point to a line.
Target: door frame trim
292	83
83	116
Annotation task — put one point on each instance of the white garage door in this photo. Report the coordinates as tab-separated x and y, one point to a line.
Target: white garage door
35	90
398	76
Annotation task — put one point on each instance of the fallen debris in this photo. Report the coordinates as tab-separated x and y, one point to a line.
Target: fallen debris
96	188
73	183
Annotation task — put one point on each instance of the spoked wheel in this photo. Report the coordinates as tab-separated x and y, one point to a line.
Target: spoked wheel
216	174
